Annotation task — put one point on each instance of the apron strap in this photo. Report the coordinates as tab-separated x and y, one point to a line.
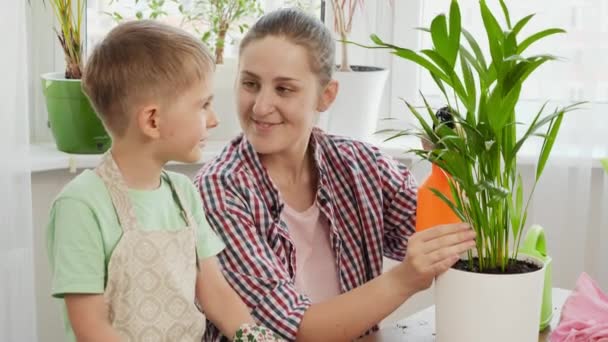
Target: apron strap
108	171
178	198
190	222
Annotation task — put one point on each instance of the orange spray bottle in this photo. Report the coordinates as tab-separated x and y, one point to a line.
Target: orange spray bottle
431	210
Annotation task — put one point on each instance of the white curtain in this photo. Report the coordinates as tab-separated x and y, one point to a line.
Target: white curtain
17	301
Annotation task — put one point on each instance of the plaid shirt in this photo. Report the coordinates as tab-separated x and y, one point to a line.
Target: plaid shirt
368	198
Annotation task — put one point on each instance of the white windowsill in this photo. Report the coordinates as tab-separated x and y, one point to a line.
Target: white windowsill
46	157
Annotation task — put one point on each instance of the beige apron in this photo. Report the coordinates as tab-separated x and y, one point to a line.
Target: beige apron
150	291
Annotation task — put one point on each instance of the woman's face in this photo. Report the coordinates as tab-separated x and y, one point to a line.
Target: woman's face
278	95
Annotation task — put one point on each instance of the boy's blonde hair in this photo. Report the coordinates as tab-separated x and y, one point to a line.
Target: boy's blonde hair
139	61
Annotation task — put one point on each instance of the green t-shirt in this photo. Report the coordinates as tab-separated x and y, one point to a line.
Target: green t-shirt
83	230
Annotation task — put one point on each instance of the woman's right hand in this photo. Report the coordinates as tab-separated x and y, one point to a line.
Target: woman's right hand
432	252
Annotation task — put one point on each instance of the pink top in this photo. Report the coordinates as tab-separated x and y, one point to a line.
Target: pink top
316	271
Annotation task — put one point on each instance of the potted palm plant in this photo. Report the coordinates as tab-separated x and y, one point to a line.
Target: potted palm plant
73	122
494	293
220	17
356	109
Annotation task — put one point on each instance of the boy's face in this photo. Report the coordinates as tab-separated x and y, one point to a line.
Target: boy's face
185	122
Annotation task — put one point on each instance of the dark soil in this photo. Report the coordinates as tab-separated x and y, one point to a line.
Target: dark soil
514	267
363	68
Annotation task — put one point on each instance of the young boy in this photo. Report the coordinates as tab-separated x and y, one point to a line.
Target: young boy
132	254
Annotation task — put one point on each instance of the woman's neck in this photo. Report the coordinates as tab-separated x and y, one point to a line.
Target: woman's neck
293	166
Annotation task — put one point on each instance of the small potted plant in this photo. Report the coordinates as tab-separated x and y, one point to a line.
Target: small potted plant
355	112
494	293
73	122
213	21
220	17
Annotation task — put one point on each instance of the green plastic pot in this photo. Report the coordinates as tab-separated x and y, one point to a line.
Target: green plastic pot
73	122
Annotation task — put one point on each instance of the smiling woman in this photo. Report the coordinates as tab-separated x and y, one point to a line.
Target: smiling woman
308	217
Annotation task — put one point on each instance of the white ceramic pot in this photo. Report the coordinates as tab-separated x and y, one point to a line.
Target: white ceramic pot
474	307
224	101
356	109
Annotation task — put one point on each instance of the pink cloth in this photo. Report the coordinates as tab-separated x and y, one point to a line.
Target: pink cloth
584	316
316	271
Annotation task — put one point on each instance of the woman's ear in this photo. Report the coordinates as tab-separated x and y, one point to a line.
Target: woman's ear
328	96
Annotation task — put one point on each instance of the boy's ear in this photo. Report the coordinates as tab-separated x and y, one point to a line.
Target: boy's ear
148	121
328	96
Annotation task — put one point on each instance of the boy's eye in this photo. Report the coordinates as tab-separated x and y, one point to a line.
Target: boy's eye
249	84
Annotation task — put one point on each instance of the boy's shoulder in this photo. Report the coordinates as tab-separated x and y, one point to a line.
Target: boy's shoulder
86	187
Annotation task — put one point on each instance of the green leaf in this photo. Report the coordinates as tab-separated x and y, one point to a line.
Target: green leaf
520	24
206	36
469	82
536	37
439	60
449	203
454	34
429	109
439	34
505	11
516	209
139	15
466	54
516	76
377	40
548	144
495	36
421	61
452	78
427	129
476	49
510	46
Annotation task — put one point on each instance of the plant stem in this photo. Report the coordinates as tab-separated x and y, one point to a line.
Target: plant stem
220	43
344	65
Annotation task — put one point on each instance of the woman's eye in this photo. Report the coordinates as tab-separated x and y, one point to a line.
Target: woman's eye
283	90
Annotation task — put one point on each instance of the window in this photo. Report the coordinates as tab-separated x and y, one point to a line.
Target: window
190	15
583	60
101	17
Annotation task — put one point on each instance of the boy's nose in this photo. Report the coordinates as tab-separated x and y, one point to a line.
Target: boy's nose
212	120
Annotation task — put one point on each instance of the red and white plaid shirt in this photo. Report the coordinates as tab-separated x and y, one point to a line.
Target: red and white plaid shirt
368	198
